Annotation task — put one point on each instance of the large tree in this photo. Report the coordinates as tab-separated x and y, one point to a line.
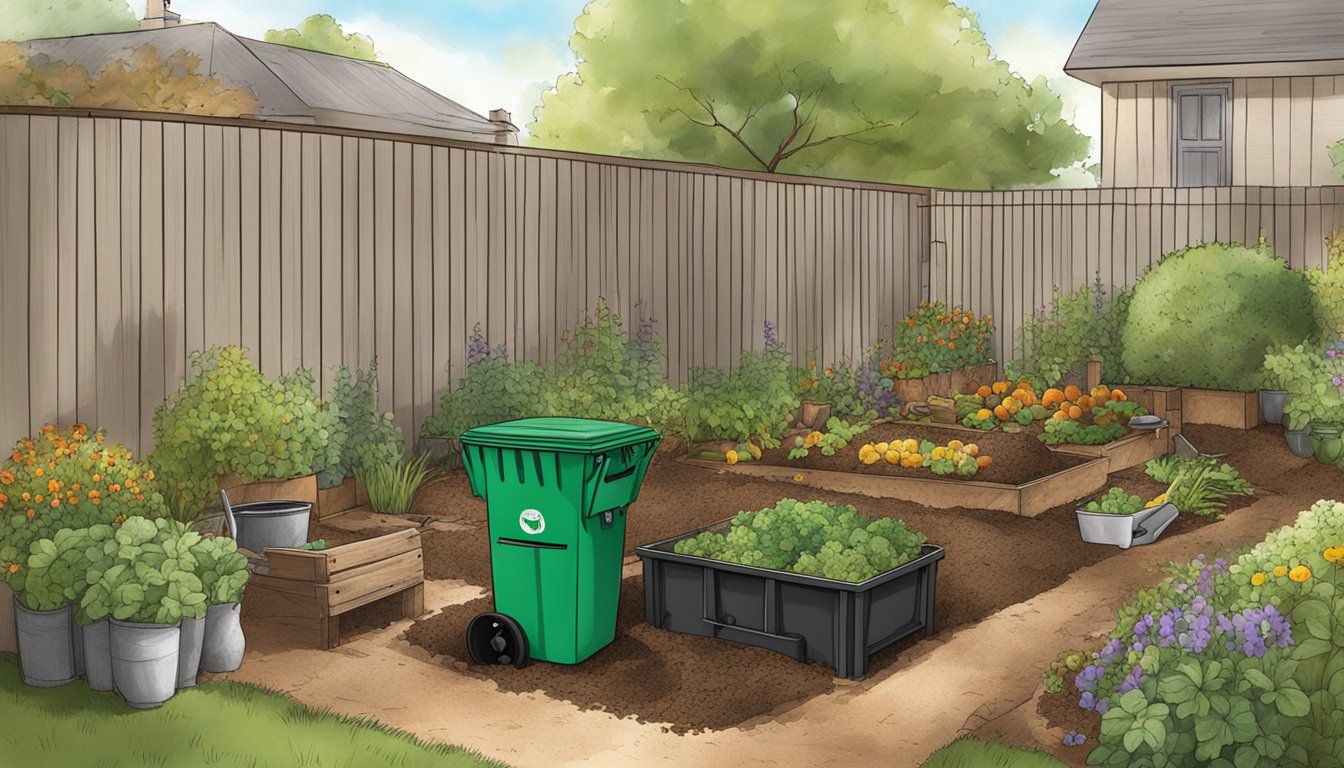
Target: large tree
883	90
321	32
32	19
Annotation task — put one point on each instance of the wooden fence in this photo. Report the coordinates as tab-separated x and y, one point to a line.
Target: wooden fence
129	240
1004	252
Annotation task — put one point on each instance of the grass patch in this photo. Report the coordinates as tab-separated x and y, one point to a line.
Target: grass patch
225	724
968	752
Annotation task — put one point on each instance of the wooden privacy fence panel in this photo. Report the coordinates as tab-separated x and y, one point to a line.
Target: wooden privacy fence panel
128	241
1004	252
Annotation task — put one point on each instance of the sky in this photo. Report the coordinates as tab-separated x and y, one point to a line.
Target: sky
487	54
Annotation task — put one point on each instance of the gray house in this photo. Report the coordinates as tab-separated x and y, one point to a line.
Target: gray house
292	84
1216	92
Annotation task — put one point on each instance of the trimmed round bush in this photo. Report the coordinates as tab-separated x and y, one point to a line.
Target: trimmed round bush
1203	317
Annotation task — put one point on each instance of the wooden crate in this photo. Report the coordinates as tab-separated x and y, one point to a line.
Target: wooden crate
311	590
1236	410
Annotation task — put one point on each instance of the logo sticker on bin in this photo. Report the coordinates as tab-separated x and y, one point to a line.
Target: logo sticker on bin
532	522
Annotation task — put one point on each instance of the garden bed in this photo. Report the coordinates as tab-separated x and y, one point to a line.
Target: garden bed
1026	477
1129	451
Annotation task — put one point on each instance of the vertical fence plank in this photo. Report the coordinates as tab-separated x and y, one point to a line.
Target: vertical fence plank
151	313
14	289
44	300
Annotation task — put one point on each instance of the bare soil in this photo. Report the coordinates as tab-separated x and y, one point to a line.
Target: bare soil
1017	458
1061	710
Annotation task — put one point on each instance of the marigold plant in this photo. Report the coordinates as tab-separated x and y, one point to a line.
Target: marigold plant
67	477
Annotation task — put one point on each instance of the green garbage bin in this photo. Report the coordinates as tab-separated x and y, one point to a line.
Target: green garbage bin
556	490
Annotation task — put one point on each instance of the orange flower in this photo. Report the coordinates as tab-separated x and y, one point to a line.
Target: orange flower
114	487
139	497
97	478
6	477
1332	554
1300	574
27	496
38	472
38	498
120	519
3	500
55	503
74	486
16	456
15	567
30	514
48	429
53	486
96	502
952	345
95	456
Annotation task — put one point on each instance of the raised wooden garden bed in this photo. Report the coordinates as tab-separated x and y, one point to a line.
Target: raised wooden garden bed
1237	410
919	390
311	590
1129	451
350	494
808	618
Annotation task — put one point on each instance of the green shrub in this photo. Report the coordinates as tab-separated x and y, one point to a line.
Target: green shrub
151	577
814	538
1313	376
1327	289
754	401
392	487
228	418
493	389
599	373
1062	336
365	434
1204	316
221	568
837	384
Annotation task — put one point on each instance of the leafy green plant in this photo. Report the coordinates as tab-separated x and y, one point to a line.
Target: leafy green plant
754	401
362	433
392	487
1313	376
55	572
1327	289
222	569
839	433
152	577
1116	501
228	418
316	546
935	338
1059	338
599	373
837	384
1203	317
814	538
66	478
493	389
1198	486
1060	431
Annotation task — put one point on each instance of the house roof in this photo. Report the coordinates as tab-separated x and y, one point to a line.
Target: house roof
1159	39
290	84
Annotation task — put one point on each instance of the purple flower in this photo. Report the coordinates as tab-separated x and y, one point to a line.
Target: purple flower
1132	680
1111	651
1074	739
1332	353
1087	701
771	337
1103	707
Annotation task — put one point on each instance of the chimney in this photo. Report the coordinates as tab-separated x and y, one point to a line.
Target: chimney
157	15
505	131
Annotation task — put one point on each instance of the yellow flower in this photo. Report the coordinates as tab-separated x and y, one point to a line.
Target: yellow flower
1280	570
1334	555
1300	574
38	498
1257	579
731	456
37	472
798	478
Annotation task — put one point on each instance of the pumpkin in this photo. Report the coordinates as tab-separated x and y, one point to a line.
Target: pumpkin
982	461
999	387
1072	392
1101	392
983	414
984	391
1118	396
1052	397
1075	412
971	449
1002	413
1062	413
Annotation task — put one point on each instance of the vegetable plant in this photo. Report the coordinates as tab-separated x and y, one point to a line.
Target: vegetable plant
1060	431
839	433
362	432
222	569
228	418
982	418
1199	486
1116	501
935	338
813	538
956	457
152	577
754	401
66	478
837	384
493	389
392	487
55	571
1203	316
1313	376
1059	338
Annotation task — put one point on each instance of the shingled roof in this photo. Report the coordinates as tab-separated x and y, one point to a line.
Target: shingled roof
292	84
1159	39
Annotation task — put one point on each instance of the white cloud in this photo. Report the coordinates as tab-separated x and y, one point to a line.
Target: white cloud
1036	50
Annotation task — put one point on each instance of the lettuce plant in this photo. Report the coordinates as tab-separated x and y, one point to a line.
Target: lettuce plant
152	577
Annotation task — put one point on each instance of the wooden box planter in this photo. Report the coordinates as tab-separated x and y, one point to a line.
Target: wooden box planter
311	590
1027	500
350	494
442	449
1129	451
808	618
1236	410
946	384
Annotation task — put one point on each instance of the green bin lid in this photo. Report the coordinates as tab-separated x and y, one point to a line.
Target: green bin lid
559	434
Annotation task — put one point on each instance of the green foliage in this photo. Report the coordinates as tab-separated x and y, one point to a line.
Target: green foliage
599	373
974	421
889	93
230	724
1066	661
836	384
839	433
1198	486
1204	316
970	752
55	572
316	546
1327	289
1116	501
1311	374
1060	431
493	389
34	19
228	418
66	478
321	32
221	568
362	433
152	577
1062	336
392	487
935	338
813	538
754	401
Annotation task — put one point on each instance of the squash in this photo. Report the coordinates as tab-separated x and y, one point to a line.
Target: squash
984	391
1072	392
1101	392
1000	387
1052	397
983	461
1001	413
983	414
970	449
1118	396
1075	412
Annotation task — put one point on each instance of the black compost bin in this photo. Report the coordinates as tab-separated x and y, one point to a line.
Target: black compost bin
809	618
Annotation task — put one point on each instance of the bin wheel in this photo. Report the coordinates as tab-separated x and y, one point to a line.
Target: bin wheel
494	638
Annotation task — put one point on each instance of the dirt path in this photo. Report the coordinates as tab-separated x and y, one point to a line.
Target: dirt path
941	688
